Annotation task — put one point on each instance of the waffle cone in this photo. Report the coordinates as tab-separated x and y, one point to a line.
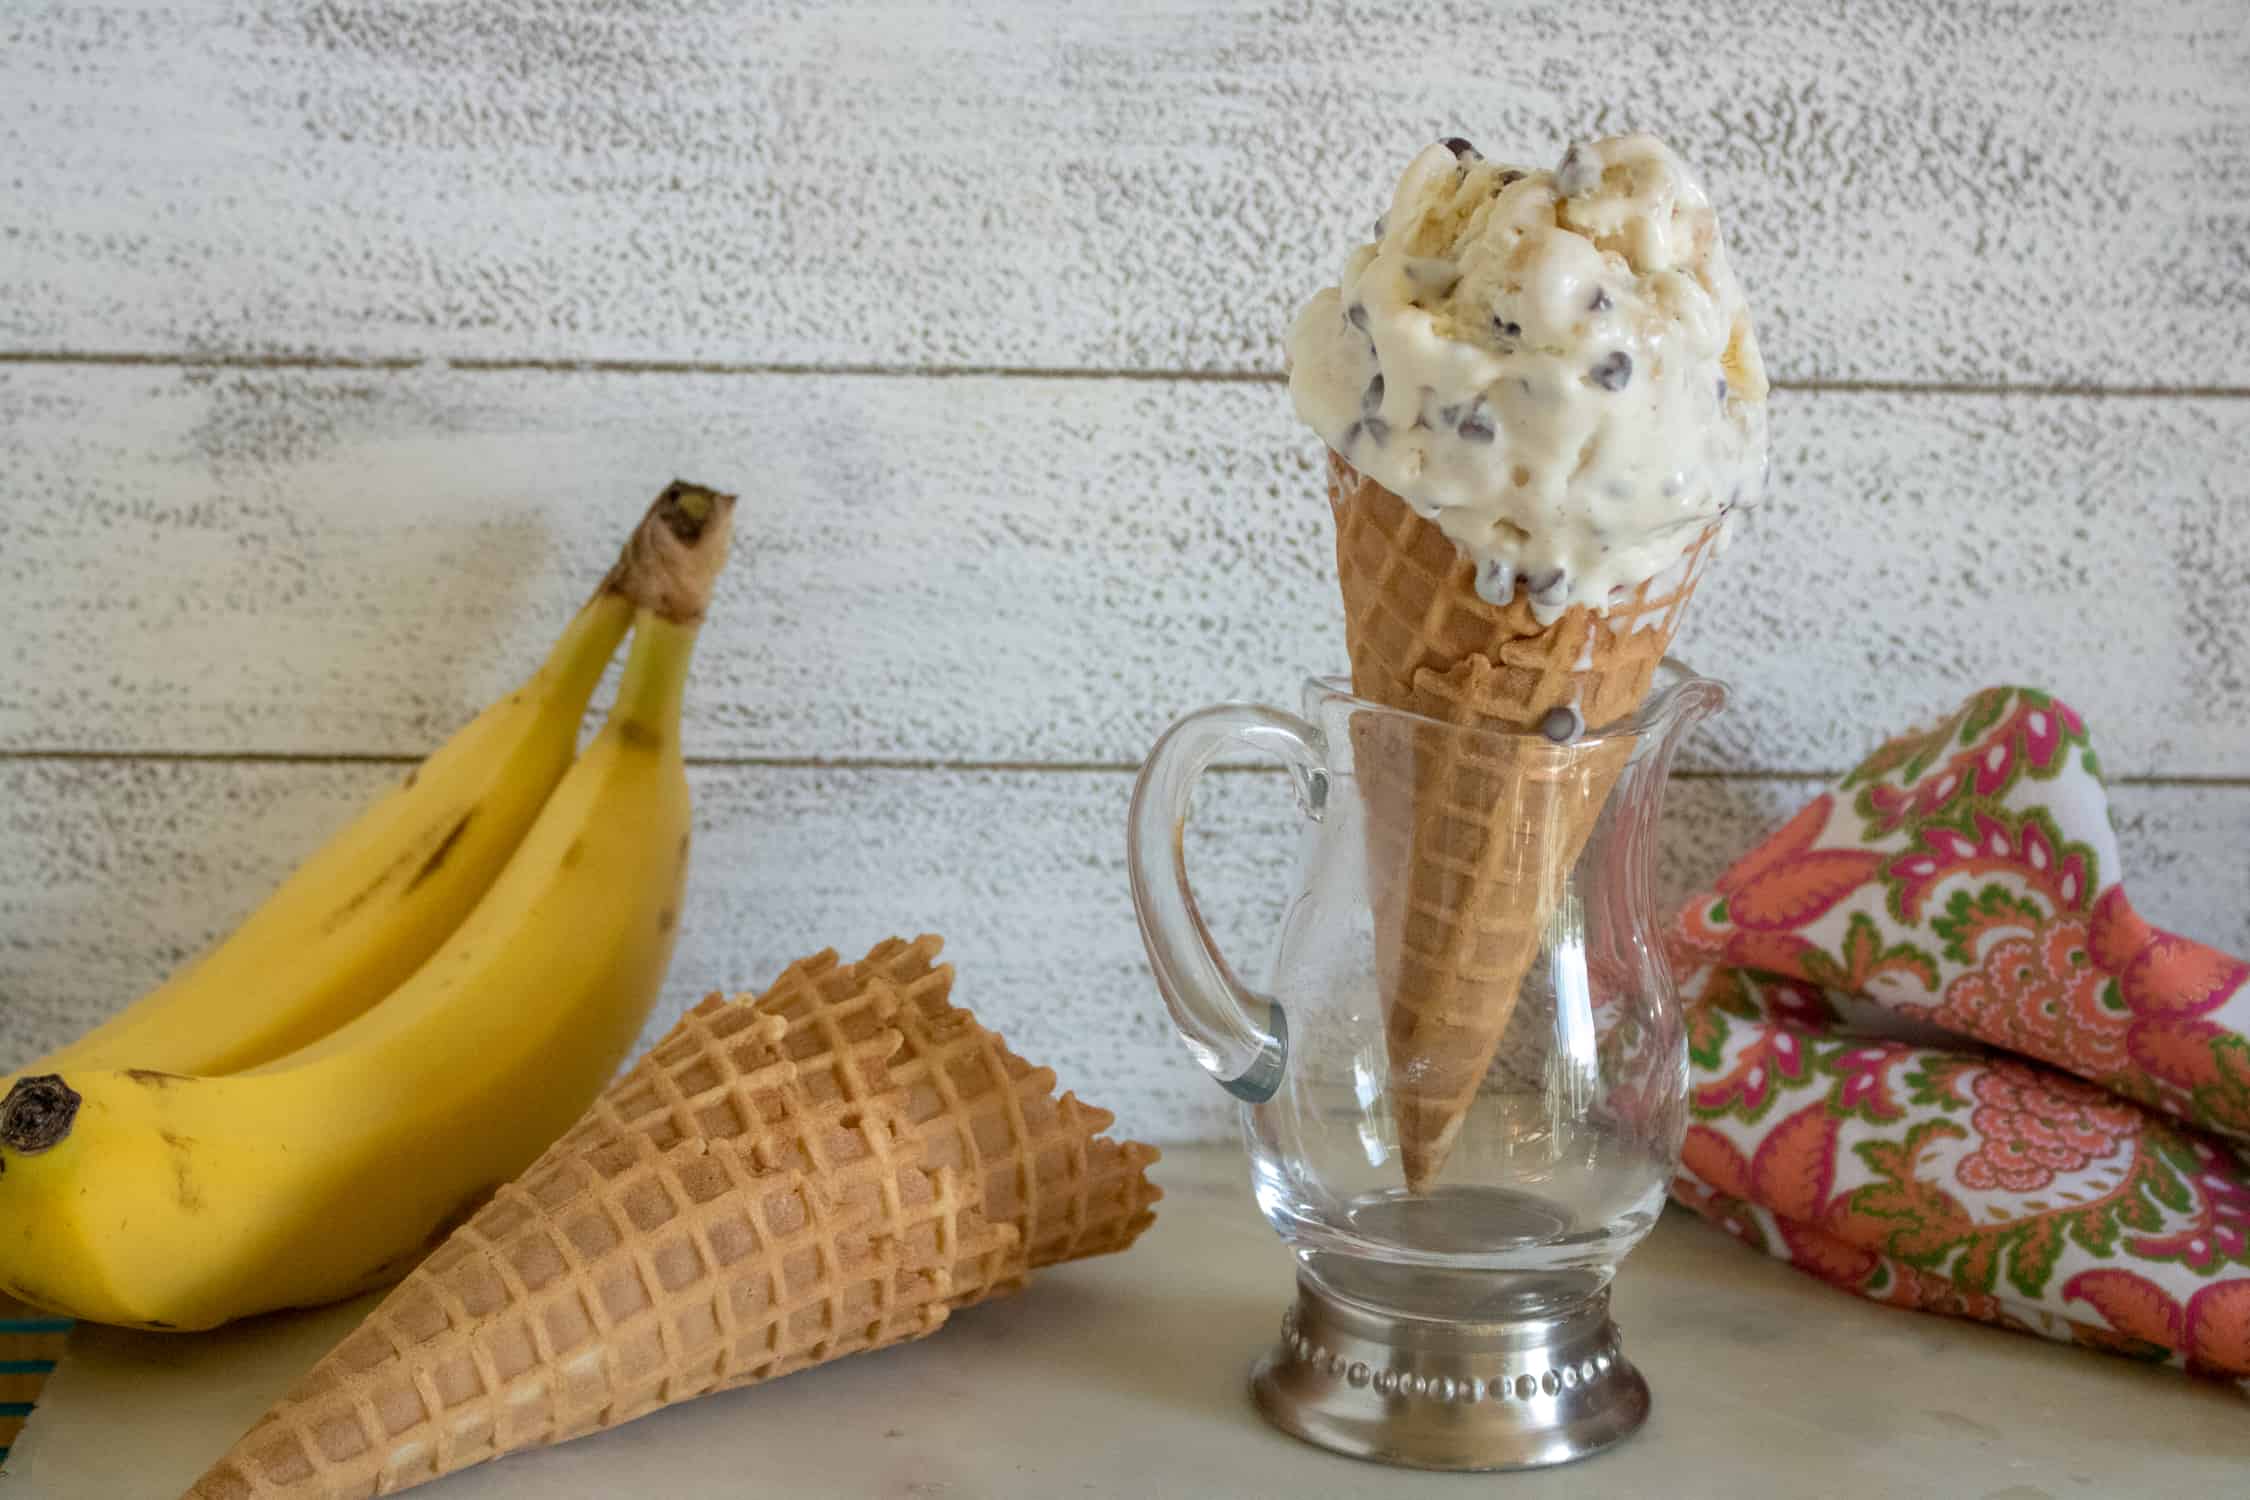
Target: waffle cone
780	1182
1035	1164
1470	839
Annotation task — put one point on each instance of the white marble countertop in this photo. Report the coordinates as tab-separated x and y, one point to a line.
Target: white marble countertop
1124	1377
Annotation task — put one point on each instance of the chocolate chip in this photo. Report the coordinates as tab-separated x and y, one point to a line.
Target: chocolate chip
1509	332
1476	427
1614	373
1371	399
1562	725
1496	581
1462	150
1509	176
1600	302
1356	315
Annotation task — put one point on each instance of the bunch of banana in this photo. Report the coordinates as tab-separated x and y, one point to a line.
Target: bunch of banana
407	1023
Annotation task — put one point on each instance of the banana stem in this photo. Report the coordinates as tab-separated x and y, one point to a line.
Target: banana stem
582	653
673	559
650	694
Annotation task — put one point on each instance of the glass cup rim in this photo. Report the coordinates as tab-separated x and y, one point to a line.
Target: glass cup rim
1675	688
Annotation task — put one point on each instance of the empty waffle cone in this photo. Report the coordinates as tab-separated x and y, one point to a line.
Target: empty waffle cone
1471	838
755	1196
1035	1163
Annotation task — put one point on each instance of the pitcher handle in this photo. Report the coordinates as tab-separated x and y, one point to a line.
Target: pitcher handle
1239	1036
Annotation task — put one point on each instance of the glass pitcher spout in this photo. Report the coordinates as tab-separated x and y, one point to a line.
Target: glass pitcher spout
1678	701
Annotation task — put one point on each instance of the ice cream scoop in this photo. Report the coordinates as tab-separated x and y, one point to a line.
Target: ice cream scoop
1555	367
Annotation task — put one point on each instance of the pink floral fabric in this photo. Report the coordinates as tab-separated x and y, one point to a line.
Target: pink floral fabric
1938	1060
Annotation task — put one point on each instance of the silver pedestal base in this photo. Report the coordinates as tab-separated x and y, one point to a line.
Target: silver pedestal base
1449	1395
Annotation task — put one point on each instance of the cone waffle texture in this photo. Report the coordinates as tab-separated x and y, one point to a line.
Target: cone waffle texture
1035	1164
778	1183
1475	820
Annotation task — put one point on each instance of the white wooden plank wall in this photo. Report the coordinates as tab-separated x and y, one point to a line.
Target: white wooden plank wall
339	342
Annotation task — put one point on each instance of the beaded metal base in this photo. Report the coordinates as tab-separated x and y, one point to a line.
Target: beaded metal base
1449	1395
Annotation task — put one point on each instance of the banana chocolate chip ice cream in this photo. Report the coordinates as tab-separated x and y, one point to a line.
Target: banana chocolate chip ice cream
1555	367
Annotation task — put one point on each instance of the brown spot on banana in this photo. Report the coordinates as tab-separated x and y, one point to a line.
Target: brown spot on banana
384	877
184	1188
439	855
38	1113
665	919
29	1291
183	1175
153	1079
640	736
575	853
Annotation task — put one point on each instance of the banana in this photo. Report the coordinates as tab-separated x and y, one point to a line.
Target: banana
364	911
159	1200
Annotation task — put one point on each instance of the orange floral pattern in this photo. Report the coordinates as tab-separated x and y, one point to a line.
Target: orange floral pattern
2031	1128
2036	991
2088	1182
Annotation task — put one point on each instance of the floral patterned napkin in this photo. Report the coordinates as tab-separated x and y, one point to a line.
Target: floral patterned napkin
1938	1060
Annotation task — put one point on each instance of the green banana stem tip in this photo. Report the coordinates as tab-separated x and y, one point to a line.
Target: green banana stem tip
687	507
673	559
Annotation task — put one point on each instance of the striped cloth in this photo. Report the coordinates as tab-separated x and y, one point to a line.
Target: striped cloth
30	1343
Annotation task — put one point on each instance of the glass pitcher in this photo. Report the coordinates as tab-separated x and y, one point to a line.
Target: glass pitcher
1464	1083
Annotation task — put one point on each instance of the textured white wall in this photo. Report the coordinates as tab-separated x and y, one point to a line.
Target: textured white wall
342	340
